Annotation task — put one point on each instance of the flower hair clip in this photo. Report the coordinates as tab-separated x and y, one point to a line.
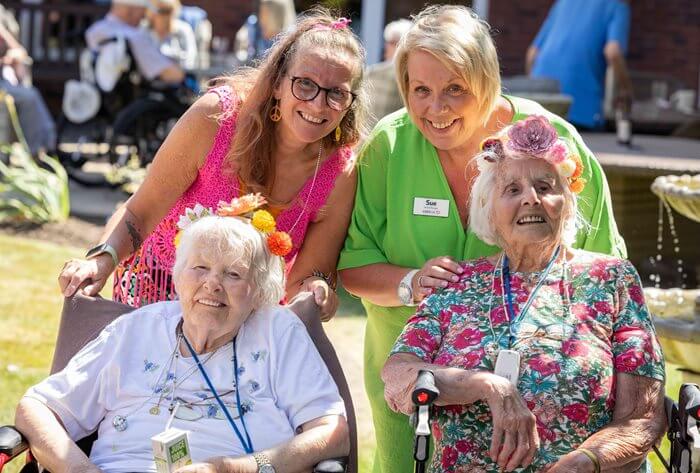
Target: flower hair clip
535	137
339	24
248	207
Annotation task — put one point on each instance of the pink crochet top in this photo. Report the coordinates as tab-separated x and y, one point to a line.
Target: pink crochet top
146	276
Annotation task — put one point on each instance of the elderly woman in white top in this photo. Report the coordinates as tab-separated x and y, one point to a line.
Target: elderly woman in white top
238	371
175	37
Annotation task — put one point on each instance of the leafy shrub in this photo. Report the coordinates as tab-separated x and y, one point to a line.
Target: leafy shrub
30	192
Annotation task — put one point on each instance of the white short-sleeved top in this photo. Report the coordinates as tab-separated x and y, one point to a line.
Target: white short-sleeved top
125	370
150	61
180	45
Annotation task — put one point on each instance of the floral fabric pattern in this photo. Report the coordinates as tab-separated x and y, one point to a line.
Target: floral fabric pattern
587	323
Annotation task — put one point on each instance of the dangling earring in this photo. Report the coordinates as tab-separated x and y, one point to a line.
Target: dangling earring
276	113
338	132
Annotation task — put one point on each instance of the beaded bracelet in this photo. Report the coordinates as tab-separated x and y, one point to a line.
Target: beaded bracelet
592	457
321	275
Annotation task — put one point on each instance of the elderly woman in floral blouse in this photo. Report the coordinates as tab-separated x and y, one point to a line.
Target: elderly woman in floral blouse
545	356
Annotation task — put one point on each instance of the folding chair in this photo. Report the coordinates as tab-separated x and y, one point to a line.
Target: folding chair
682	418
83	318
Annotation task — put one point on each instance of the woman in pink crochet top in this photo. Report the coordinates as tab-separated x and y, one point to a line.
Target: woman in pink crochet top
284	129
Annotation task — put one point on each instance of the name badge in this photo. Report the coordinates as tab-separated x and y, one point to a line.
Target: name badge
431	207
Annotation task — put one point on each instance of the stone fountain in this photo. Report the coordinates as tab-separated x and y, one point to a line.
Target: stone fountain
677	310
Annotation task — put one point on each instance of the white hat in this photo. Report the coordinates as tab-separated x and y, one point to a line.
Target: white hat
133	3
81	101
112	62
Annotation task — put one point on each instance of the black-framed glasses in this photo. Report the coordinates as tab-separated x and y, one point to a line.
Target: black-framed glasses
305	89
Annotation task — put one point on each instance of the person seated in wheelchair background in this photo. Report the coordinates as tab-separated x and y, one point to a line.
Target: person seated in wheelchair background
174	36
260	381
123	21
545	357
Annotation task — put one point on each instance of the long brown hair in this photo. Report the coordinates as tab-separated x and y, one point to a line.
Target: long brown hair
253	143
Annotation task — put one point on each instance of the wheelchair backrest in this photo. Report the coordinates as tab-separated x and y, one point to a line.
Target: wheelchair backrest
113	70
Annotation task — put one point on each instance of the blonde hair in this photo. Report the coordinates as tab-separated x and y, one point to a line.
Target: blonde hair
462	42
482	195
253	142
235	239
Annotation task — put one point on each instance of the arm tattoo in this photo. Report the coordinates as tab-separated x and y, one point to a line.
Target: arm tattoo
136	239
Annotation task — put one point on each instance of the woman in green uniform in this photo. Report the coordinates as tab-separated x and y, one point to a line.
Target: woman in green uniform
409	225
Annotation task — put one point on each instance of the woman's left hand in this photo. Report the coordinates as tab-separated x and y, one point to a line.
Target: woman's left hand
573	462
325	297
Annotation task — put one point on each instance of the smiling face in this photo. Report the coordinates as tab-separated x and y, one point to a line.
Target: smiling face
528	203
439	102
214	291
305	122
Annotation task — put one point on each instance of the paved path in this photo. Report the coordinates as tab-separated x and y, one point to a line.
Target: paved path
95	204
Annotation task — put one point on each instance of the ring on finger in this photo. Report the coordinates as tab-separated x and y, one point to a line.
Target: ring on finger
420	281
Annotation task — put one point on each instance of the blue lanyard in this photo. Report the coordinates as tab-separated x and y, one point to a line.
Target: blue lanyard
247	446
510	312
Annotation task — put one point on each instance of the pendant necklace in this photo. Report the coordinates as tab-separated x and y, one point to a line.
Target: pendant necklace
505	288
311	188
120	422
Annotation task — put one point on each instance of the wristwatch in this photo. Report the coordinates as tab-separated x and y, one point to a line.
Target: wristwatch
264	463
405	289
103	248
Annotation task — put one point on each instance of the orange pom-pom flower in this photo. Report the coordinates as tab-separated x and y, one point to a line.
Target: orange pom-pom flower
579	166
280	243
577	185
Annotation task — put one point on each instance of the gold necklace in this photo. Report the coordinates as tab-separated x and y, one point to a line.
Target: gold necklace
311	188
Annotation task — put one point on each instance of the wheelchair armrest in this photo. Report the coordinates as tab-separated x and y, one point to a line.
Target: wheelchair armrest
12	443
334	465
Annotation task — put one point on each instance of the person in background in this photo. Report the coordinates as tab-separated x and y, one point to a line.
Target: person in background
415	175
256	35
175	37
381	77
577	41
35	119
393	32
123	19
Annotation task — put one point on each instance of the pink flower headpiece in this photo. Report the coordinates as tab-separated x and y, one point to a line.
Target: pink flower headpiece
339	24
535	137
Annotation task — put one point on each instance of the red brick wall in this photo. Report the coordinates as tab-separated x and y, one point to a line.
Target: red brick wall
515	25
226	16
664	35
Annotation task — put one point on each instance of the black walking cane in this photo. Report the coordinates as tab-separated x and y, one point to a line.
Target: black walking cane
424	393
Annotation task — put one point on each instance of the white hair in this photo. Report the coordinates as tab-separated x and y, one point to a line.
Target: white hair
395	30
235	240
482	197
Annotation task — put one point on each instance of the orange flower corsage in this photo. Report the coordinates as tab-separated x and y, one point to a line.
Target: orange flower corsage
246	206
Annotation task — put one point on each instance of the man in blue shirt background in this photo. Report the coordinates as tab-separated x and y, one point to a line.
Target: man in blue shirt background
577	41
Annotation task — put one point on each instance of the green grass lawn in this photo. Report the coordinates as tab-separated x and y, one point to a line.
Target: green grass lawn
30	305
